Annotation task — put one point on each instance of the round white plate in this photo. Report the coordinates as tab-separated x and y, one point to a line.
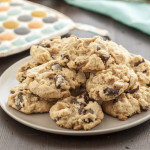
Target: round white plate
44	123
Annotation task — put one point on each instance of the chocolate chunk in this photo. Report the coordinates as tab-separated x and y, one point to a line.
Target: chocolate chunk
56	66
81	108
144	71
88	111
45	45
19	100
111	91
106	38
86	98
104	58
148	85
115	100
98	47
87	75
65	57
88	120
131	91
23	78
28	68
20	97
34	95
77	91
139	62
58	118
59	79
74	101
12	92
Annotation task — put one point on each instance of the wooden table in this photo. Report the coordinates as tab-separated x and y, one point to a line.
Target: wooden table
15	136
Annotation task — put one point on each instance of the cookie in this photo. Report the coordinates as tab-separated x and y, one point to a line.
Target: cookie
25	101
51	80
129	103
142	69
108	84
92	54
21	74
77	113
48	50
87	54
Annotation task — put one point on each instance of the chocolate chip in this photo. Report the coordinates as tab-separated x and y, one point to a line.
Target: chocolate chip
12	92
88	111
28	68
20	97
87	75
98	47
23	78
88	120
18	100
74	101
148	85
139	62
106	38
144	71
104	58
86	98
34	95
45	45
111	91
77	63
56	66
65	57
115	100
77	91
59	79
131	91
58	118
145	108
81	108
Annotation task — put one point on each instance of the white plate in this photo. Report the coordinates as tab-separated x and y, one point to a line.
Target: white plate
44	123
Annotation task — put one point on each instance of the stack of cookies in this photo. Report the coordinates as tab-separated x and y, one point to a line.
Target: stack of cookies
76	79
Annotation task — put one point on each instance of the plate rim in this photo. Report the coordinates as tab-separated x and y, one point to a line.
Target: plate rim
64	132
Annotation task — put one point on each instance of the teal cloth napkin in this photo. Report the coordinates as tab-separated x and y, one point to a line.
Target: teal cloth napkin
134	14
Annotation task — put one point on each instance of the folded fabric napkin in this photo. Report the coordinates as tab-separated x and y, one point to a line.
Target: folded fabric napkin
135	14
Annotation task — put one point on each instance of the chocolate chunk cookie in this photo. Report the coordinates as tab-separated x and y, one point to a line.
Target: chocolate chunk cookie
128	103
87	54
25	101
51	80
93	54
49	50
108	84
142	69
77	113
21	74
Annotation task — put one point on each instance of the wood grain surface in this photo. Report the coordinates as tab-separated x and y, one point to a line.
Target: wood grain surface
15	136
